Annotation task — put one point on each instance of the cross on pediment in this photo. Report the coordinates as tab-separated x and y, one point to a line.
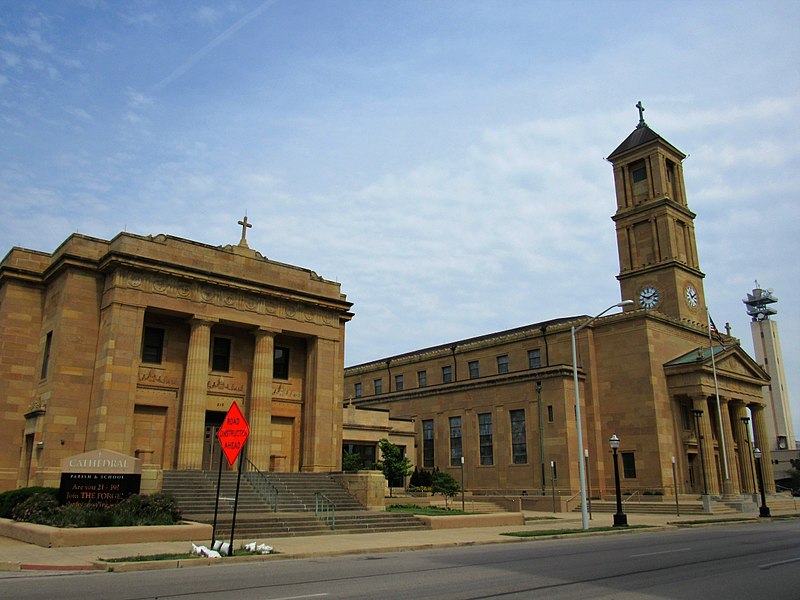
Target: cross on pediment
245	225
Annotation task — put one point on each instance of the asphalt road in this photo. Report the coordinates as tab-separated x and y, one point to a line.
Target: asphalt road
748	561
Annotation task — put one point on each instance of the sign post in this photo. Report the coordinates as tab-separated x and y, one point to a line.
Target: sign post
232	436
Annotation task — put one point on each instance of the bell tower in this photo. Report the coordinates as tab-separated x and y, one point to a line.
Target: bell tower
658	265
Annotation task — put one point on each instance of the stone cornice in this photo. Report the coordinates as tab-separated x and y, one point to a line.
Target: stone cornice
508	336
558	371
228	296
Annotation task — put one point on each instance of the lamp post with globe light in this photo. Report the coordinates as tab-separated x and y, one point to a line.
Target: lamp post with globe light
620	518
763	510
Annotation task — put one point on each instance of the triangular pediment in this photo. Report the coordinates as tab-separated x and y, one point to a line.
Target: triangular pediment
726	359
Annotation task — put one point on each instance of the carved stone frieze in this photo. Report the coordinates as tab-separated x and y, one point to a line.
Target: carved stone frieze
157	378
227	297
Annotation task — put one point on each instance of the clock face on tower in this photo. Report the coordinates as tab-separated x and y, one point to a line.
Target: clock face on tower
691	296
649	297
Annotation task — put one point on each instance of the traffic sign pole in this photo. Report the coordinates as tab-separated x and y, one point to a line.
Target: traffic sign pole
236	503
216	503
232	436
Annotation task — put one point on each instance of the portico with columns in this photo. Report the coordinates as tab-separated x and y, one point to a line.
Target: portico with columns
714	406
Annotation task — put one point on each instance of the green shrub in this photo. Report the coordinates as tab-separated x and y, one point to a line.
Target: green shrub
38	508
156	509
43	508
351	462
421	478
10	499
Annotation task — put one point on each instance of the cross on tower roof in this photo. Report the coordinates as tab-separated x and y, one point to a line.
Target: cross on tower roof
245	225
640	106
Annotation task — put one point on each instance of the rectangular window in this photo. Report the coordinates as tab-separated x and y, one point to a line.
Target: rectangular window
221	354
48	342
455	441
378	386
502	364
628	465
422	378
427	444
485	431
638	174
357	389
280	363
686	417
519	442
474	369
152	345
447	374
553	470
549	413
534	358
398	383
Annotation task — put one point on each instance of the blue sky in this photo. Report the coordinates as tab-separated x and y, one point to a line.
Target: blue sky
443	160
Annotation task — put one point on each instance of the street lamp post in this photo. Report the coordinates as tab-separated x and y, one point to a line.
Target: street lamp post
579	427
462	484
675	485
746	421
620	518
763	510
698	413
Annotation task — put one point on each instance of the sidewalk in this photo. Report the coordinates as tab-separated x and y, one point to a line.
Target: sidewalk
20	556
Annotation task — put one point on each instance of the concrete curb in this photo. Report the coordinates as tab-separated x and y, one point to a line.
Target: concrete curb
55	537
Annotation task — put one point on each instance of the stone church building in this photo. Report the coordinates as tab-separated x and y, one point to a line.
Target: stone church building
504	403
140	345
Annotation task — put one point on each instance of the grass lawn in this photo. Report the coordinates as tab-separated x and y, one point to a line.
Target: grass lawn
571	531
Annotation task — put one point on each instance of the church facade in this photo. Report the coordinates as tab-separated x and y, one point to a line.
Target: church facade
141	344
502	406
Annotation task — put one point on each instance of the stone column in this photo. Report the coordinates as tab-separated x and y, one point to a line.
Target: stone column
193	406
110	424
260	407
706	443
762	442
322	407
747	473
731	486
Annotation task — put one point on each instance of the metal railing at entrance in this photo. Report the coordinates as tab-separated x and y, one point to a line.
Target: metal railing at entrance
325	509
262	485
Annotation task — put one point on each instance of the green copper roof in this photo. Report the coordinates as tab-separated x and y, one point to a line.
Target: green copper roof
699	355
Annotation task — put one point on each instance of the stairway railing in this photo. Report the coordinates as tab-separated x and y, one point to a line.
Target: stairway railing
325	509
262	485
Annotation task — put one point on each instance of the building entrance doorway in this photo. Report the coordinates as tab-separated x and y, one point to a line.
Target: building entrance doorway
212	453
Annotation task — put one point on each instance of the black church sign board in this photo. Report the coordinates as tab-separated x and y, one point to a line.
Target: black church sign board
101	477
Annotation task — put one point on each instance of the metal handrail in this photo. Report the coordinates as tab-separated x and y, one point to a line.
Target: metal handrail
631	495
325	509
788	489
262	485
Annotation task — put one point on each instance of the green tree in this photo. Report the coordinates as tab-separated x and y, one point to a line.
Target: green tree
351	462
393	464
794	475
445	484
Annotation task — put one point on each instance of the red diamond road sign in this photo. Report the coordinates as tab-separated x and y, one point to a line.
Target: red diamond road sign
233	433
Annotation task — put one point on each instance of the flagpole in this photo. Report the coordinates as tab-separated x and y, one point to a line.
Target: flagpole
716	392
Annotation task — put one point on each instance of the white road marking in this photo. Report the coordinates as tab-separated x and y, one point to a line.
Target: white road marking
657	553
779	563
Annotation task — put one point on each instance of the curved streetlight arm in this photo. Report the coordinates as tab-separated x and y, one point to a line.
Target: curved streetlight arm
597	316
